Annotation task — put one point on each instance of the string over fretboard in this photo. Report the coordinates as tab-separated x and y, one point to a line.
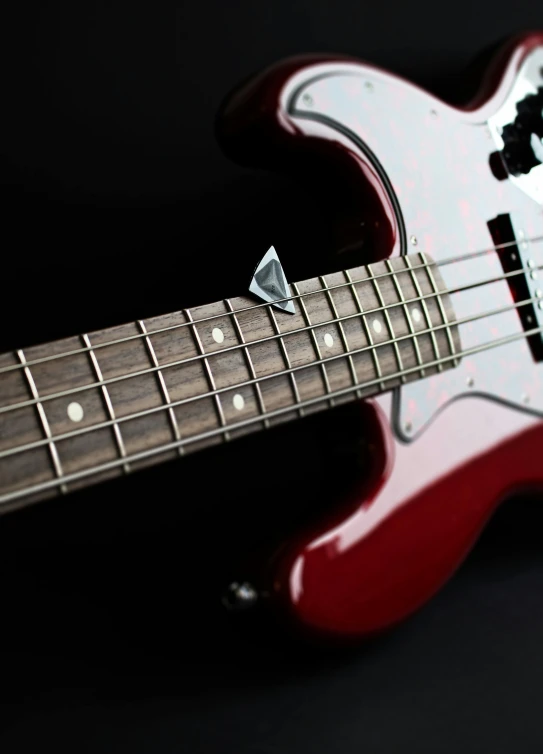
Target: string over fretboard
79	410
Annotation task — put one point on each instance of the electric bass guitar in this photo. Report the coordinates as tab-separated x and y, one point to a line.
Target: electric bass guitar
436	341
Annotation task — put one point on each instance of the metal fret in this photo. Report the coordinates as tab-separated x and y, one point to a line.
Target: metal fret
333	307
378	370
314	339
161	384
387	319
55	460
407	316
440	304
248	360
209	374
286	358
107	401
425	309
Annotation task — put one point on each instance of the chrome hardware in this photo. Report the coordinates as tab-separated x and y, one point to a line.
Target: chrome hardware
240	596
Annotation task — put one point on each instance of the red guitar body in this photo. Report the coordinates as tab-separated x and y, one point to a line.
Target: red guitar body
380	556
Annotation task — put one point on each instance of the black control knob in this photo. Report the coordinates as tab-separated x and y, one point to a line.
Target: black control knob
530	114
525	133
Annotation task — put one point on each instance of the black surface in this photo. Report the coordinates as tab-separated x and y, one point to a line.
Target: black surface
111	635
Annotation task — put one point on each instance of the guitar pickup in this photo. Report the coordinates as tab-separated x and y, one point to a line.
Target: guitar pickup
516	255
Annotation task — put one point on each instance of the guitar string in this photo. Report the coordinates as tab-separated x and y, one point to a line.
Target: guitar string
230	388
139	336
276	336
150	453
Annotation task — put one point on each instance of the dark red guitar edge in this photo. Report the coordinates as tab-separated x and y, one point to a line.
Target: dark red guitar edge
250	124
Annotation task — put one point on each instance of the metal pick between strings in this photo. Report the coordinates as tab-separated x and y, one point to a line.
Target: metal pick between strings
270	283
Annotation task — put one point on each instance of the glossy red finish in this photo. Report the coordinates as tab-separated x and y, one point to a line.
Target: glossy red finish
378	564
380	556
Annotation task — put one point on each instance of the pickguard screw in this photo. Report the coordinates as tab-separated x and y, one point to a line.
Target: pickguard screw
369	86
539	293
526	398
470	381
240	596
408	427
414	240
307	99
433	113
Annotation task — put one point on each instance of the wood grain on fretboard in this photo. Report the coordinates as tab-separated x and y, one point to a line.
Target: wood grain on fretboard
66	448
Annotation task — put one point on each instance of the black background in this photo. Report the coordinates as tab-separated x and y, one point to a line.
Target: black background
117	204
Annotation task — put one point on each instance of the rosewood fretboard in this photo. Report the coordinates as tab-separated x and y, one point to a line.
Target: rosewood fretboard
149	391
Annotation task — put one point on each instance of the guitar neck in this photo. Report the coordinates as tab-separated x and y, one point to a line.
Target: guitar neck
87	408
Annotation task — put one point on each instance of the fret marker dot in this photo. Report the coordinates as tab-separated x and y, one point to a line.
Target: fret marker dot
218	335
415	313
328	340
377	326
75	411
238	402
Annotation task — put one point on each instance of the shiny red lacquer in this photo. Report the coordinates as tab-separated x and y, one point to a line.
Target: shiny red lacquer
379	557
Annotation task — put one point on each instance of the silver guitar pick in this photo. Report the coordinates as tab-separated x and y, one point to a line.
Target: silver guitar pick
270	283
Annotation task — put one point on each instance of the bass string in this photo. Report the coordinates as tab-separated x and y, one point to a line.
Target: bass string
218	391
238	346
150	453
139	336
